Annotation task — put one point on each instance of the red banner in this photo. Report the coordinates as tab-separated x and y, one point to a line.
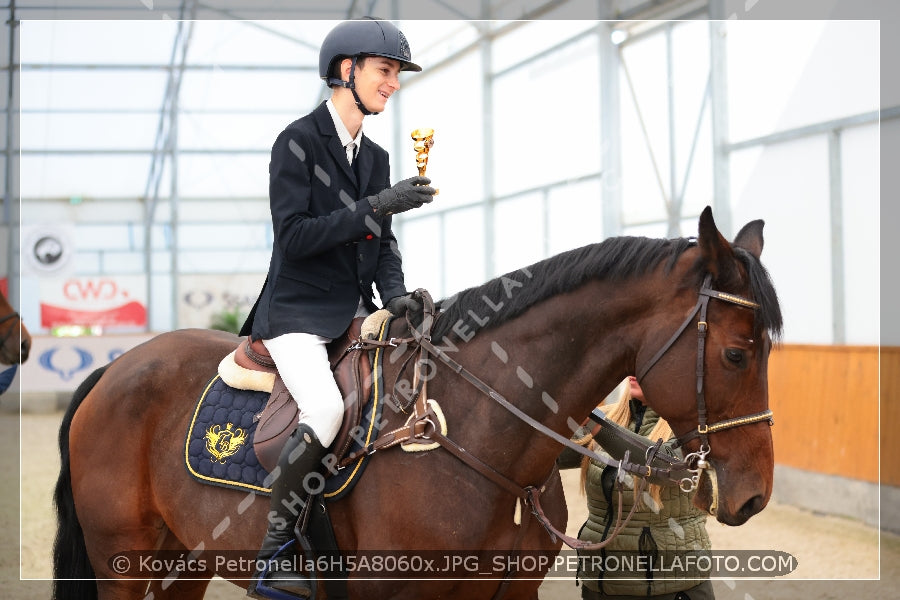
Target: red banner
131	314
94	301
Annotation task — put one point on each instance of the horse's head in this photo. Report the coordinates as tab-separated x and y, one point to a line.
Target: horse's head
718	401
15	341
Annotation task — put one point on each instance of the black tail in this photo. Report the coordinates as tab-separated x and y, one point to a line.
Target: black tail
72	572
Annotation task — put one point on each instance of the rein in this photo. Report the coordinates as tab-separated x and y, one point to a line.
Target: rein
423	414
423	423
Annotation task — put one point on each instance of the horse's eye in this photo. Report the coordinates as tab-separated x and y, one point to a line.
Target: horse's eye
734	355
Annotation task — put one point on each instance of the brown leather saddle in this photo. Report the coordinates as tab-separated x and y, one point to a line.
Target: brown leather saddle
352	373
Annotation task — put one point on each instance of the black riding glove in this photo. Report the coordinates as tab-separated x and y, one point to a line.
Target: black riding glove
403	196
401	304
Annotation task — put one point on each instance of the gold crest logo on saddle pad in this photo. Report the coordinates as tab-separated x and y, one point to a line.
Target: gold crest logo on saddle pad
222	443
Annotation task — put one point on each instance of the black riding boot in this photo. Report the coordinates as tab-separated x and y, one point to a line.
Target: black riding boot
302	454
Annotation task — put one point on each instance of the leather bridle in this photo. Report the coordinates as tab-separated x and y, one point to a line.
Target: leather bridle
698	459
656	466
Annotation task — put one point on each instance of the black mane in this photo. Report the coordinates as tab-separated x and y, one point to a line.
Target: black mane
615	259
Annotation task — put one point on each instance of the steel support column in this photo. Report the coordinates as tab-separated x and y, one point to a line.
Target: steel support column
11	215
718	90
836	202
487	120
166	147
673	206
610	128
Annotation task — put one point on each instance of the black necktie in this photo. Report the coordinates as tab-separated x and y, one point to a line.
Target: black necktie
355	162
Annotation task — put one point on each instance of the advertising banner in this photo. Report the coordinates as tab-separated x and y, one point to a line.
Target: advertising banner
59	364
202	297
107	302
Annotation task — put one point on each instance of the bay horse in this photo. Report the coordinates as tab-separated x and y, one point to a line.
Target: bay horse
15	341
555	337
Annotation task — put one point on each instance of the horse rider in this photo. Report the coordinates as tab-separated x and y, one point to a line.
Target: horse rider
331	203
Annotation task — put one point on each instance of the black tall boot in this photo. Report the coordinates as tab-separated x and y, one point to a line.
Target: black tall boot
302	454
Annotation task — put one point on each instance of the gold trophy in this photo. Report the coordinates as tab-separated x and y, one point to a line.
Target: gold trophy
424	139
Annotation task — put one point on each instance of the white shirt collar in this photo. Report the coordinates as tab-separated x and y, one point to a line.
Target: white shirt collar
342	132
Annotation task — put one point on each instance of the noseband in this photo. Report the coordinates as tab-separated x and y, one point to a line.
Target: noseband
703	428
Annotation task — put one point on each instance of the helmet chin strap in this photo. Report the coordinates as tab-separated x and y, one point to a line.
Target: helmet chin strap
351	85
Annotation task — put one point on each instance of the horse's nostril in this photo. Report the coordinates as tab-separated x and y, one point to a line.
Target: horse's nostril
752	506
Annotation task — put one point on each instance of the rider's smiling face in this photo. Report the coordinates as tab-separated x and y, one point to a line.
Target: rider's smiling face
376	79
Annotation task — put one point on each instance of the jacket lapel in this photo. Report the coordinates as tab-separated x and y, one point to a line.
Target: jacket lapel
332	141
340	156
364	168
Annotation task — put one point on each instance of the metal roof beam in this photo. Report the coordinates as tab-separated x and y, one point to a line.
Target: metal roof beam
865	118
155	67
139	151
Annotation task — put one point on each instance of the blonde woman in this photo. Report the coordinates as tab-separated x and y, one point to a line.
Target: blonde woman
648	557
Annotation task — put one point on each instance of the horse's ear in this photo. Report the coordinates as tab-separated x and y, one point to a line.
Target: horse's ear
750	238
716	251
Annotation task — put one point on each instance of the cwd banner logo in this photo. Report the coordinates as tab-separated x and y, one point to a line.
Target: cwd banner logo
94	301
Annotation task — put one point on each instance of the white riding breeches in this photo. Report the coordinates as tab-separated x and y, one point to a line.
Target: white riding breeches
302	362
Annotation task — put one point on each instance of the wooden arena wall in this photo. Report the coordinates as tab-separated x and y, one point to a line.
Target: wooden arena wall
826	405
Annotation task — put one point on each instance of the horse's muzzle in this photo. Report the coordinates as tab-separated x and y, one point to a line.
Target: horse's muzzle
709	499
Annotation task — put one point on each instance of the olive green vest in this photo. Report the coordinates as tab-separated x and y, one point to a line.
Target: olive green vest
661	533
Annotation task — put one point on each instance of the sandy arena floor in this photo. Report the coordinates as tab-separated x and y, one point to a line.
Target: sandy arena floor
841	551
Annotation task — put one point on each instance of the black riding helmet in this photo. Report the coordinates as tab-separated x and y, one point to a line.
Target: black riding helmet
363	37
